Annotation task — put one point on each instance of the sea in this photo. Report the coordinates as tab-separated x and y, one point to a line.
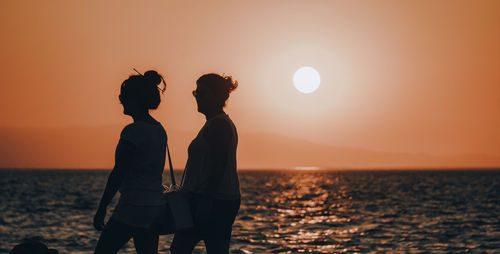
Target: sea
283	211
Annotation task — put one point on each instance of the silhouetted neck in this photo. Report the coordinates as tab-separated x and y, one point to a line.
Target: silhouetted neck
213	114
144	118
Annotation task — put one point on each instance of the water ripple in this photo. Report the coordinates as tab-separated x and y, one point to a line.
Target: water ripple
284	211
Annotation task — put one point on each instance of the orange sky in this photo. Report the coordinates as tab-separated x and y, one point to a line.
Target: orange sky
412	77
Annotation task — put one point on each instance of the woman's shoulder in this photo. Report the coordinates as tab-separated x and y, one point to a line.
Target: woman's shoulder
219	129
130	133
221	119
129	128
135	132
140	125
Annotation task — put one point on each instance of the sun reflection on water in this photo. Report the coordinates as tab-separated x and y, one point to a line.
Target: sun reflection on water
306	168
329	212
298	212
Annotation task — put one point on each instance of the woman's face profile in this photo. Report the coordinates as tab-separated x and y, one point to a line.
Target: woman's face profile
127	105
204	98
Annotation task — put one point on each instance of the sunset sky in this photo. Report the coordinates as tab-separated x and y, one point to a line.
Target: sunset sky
397	77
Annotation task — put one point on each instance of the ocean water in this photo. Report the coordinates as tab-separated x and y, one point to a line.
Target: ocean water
283	211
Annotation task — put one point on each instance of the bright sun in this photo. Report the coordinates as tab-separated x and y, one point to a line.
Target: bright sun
306	79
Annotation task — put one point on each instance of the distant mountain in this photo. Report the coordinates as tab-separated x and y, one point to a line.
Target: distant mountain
93	147
267	150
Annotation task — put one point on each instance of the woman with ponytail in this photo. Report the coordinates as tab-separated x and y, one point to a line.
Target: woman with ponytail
211	176
137	174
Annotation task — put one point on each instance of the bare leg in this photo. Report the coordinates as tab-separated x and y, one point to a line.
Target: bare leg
146	241
113	237
184	242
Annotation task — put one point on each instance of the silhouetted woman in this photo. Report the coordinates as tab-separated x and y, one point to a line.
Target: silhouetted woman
137	174
211	174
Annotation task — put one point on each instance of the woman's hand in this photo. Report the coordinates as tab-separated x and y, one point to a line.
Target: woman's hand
99	219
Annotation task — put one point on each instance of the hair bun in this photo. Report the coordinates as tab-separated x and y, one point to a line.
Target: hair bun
153	77
230	83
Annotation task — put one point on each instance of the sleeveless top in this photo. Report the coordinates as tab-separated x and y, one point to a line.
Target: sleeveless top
142	185
199	158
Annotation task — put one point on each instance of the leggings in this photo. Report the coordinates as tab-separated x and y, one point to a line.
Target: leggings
117	234
216	235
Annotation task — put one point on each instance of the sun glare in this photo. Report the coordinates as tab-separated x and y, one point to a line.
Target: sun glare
306	168
306	79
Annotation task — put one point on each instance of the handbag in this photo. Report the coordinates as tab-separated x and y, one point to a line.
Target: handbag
177	215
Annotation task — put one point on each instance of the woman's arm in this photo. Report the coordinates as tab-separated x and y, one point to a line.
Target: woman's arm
123	157
218	136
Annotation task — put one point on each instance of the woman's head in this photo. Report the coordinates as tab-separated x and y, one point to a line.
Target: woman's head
212	91
141	92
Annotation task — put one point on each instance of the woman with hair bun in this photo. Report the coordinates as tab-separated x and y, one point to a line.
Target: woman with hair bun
137	174
210	174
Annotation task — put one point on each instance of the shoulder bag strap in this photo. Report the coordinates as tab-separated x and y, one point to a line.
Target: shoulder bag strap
172	177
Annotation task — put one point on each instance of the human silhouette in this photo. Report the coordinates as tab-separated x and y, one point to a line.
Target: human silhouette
29	246
137	174
210	174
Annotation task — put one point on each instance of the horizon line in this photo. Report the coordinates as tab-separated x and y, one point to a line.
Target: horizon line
299	169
